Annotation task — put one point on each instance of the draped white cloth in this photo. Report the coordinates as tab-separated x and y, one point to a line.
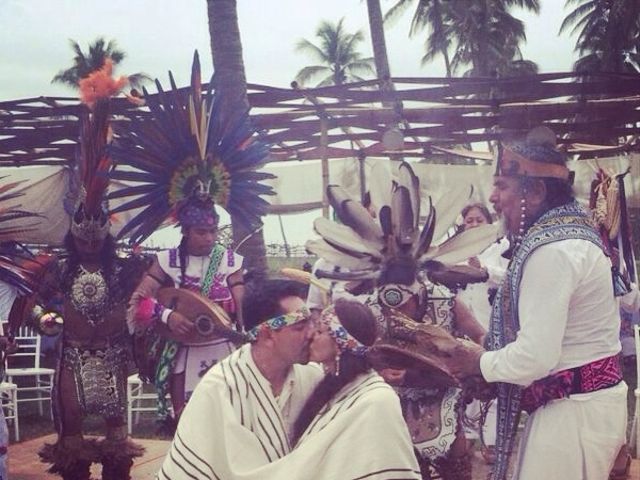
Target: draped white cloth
233	424
568	317
233	429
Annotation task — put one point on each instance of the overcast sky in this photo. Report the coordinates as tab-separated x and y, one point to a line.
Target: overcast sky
161	35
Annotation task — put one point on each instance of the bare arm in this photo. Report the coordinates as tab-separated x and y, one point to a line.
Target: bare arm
235	282
467	324
145	311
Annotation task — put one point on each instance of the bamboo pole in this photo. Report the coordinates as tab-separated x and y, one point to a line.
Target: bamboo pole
324	127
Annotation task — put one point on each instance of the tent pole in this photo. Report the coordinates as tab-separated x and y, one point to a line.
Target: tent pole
325	165
363	178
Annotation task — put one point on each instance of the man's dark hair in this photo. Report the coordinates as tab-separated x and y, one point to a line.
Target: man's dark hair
360	322
262	301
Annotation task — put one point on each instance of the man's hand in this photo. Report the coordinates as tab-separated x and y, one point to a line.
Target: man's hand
393	376
465	359
180	324
474	262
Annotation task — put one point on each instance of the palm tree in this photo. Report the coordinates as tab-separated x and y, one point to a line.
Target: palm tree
231	84
84	64
488	39
608	35
337	54
431	15
482	33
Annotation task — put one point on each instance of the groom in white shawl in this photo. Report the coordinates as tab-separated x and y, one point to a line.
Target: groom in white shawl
241	414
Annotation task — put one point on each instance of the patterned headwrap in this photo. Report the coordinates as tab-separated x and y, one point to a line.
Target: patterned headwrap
197	214
536	157
344	340
281	321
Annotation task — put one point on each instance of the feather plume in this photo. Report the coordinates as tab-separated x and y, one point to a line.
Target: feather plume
409	180
14	258
464	245
380	184
346	237
365	247
185	148
325	250
351	275
402	218
449	207
426	235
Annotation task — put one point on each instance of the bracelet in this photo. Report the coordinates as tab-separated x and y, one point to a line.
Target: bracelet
164	316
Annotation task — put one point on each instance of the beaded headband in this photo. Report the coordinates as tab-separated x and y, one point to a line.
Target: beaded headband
344	340
281	321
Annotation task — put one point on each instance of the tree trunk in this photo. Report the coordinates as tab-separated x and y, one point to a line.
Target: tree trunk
231	84
376	27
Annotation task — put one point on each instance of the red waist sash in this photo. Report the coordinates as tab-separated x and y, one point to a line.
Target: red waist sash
597	375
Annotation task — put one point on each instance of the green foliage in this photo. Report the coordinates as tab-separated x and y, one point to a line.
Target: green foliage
608	35
480	38
336	52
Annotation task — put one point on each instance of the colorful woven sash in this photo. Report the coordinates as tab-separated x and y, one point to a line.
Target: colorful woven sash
594	376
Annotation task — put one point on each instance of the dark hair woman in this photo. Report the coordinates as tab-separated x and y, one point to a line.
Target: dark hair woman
352	405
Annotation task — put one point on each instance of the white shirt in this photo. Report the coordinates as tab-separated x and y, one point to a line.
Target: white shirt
476	295
319	299
568	315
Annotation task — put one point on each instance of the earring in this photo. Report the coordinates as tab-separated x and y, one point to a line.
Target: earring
337	361
523	217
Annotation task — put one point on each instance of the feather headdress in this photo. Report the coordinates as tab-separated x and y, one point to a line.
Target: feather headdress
90	219
186	154
366	245
15	261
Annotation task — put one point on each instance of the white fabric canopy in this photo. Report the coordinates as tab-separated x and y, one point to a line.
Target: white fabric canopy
298	186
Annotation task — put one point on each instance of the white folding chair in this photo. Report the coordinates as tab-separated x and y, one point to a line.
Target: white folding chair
34	378
635	433
9	401
139	400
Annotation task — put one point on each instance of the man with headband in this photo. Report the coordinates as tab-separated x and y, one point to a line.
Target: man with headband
553	340
241	415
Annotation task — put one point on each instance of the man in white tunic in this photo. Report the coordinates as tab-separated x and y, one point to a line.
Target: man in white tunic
240	416
553	339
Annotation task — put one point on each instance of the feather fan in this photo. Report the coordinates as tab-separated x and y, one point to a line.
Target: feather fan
184	148
363	244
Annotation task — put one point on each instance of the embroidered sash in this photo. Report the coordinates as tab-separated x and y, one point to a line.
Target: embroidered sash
597	375
569	221
170	347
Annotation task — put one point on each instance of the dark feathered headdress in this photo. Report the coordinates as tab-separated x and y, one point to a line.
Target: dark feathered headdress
185	157
90	219
366	245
